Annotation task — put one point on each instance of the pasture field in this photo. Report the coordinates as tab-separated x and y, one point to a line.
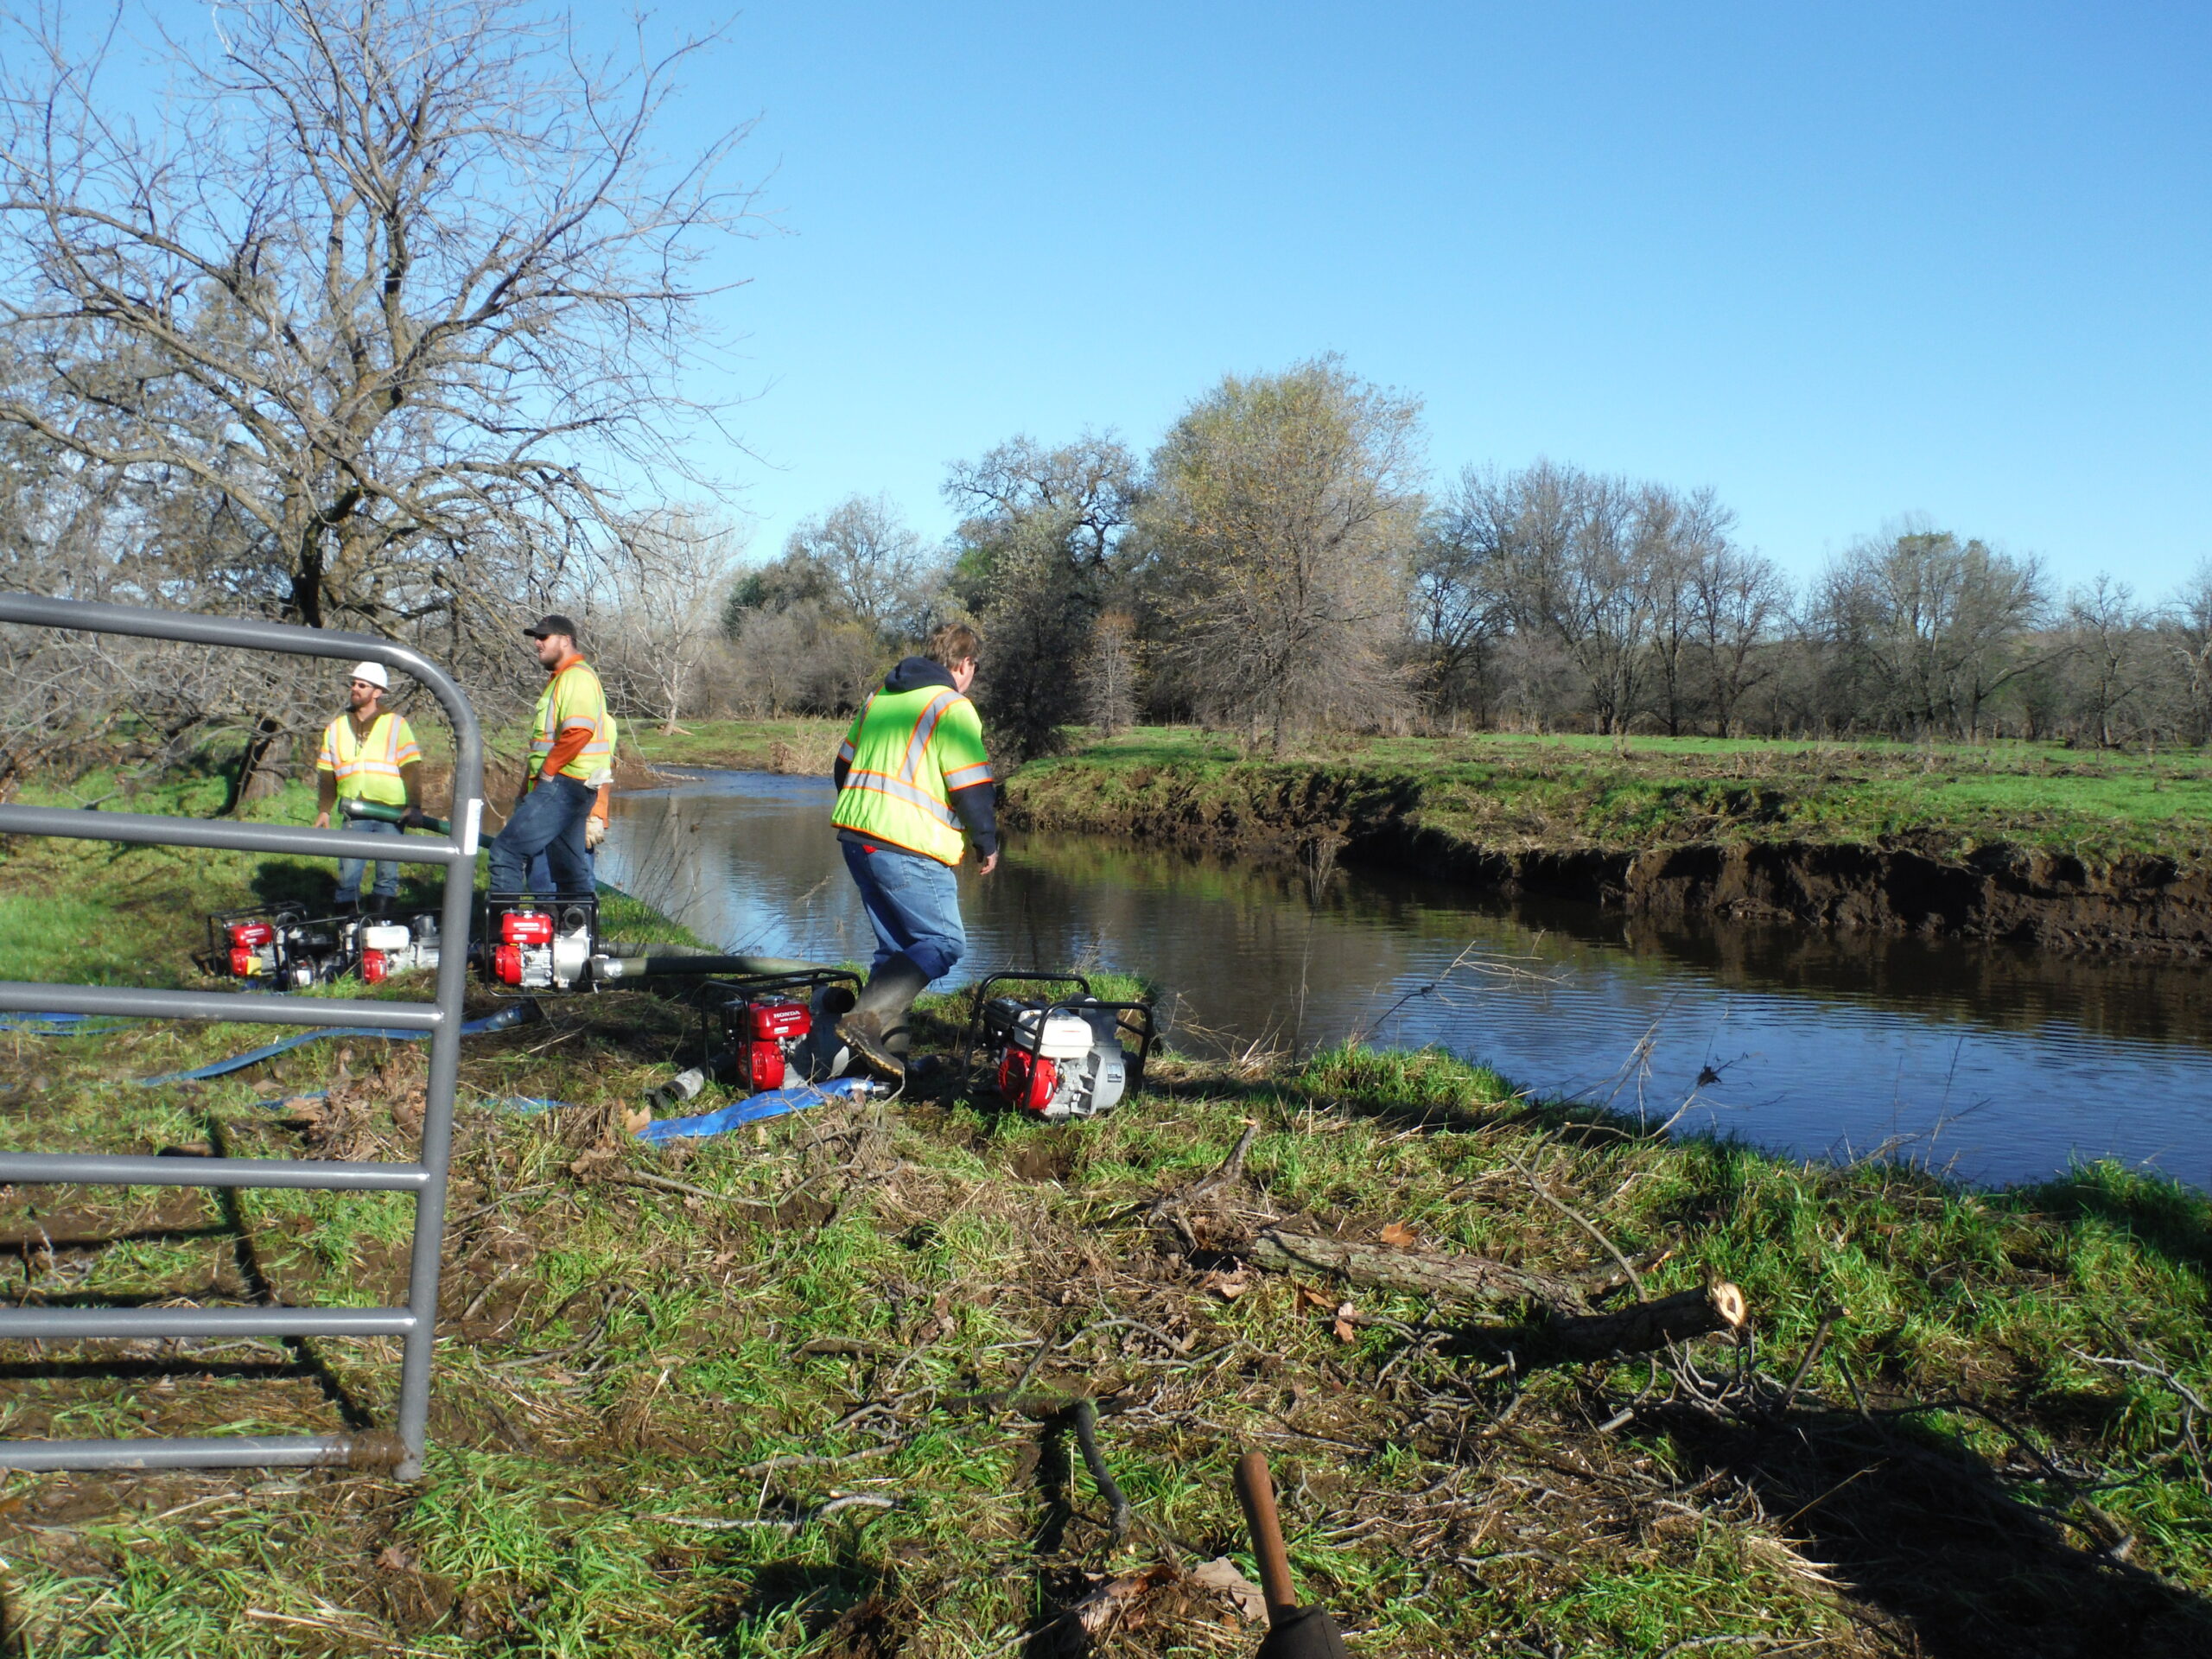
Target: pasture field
810	1388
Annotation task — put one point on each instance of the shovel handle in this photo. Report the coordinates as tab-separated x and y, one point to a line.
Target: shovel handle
1255	1491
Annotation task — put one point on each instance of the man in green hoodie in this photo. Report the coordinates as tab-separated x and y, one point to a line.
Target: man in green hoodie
913	789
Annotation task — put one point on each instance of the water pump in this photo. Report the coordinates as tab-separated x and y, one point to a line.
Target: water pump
395	947
281	946
541	948
1058	1057
780	1028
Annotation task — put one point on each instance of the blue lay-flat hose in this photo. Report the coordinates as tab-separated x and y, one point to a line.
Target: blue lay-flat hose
514	1014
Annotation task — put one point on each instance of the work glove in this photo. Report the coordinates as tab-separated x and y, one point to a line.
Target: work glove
595	832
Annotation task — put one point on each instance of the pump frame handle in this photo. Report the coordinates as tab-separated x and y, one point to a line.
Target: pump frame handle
1255	1491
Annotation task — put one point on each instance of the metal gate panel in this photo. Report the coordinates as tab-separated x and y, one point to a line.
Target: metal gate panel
415	1324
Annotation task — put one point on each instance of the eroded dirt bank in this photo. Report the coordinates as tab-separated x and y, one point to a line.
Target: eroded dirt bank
1991	890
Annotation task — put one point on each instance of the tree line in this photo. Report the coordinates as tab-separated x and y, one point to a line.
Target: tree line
1278	563
379	317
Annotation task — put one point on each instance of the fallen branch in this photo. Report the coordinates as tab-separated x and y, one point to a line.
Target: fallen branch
1644	1326
639	1177
1083	1419
1606	1245
1447	1278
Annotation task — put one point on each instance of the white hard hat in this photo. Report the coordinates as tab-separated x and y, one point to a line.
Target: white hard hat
374	674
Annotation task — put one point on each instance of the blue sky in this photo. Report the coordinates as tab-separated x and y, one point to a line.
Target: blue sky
1840	264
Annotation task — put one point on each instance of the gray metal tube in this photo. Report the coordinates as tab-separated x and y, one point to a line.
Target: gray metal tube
189	1324
102	1169
429	1250
133	1002
443	1020
81	823
229	1451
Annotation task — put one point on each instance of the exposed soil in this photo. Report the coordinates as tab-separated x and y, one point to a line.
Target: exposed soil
1995	891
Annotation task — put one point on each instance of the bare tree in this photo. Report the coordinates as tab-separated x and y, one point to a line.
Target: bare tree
655	613
1460	600
1280	524
2107	636
1741	600
399	283
1935	626
1108	673
2189	634
1682	537
870	561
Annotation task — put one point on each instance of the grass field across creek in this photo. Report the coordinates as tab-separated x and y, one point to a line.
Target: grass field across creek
817	1398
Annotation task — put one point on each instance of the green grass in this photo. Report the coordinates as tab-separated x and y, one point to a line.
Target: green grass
1508	792
621	1364
795	745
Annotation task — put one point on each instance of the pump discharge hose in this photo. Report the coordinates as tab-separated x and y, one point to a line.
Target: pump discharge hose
407	818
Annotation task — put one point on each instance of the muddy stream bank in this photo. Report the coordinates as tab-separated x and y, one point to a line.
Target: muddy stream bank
1992	1057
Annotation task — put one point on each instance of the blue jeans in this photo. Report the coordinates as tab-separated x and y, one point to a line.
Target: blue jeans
913	904
551	821
350	870
541	871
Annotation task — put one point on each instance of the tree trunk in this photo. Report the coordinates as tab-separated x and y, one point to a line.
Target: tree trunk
1646	1325
1571	1331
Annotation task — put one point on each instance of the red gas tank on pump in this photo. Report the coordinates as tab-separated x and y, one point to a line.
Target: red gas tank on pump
771	1031
252	948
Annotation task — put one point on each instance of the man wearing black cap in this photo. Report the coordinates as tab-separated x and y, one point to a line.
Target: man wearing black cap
571	760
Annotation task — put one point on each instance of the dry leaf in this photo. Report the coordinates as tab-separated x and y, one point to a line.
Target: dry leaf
1308	1297
1230	1286
1346	1330
1116	1603
1220	1575
1399	1236
636	1120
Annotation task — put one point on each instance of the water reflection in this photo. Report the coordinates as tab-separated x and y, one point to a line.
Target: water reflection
1998	1061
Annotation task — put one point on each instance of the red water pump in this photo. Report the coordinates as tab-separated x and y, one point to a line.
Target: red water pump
1062	1054
250	948
766	1034
539	950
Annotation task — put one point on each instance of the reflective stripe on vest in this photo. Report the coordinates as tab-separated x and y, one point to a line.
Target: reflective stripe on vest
598	753
900	789
367	769
898	771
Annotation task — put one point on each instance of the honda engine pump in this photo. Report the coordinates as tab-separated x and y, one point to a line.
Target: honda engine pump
389	948
543	949
1060	1058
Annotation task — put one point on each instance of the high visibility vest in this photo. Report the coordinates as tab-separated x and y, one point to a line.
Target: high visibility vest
367	768
906	753
574	697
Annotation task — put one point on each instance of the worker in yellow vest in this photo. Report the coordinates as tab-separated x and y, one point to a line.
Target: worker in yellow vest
570	765
368	754
913	790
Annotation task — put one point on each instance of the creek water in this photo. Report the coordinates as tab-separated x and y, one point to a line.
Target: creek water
2000	1064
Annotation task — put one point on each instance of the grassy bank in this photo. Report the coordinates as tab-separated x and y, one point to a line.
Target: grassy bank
1968	1422
1509	792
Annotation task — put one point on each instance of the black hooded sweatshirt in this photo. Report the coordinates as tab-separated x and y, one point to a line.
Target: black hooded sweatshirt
977	804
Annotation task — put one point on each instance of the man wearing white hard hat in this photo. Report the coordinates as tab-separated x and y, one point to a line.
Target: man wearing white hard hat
367	755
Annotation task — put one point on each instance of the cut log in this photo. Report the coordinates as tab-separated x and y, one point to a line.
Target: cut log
1646	1325
1447	1278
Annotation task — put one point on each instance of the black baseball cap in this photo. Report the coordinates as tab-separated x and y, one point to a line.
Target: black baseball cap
552	623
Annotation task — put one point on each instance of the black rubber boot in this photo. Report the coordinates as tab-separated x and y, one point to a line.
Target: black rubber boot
879	1017
820	1056
376	906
